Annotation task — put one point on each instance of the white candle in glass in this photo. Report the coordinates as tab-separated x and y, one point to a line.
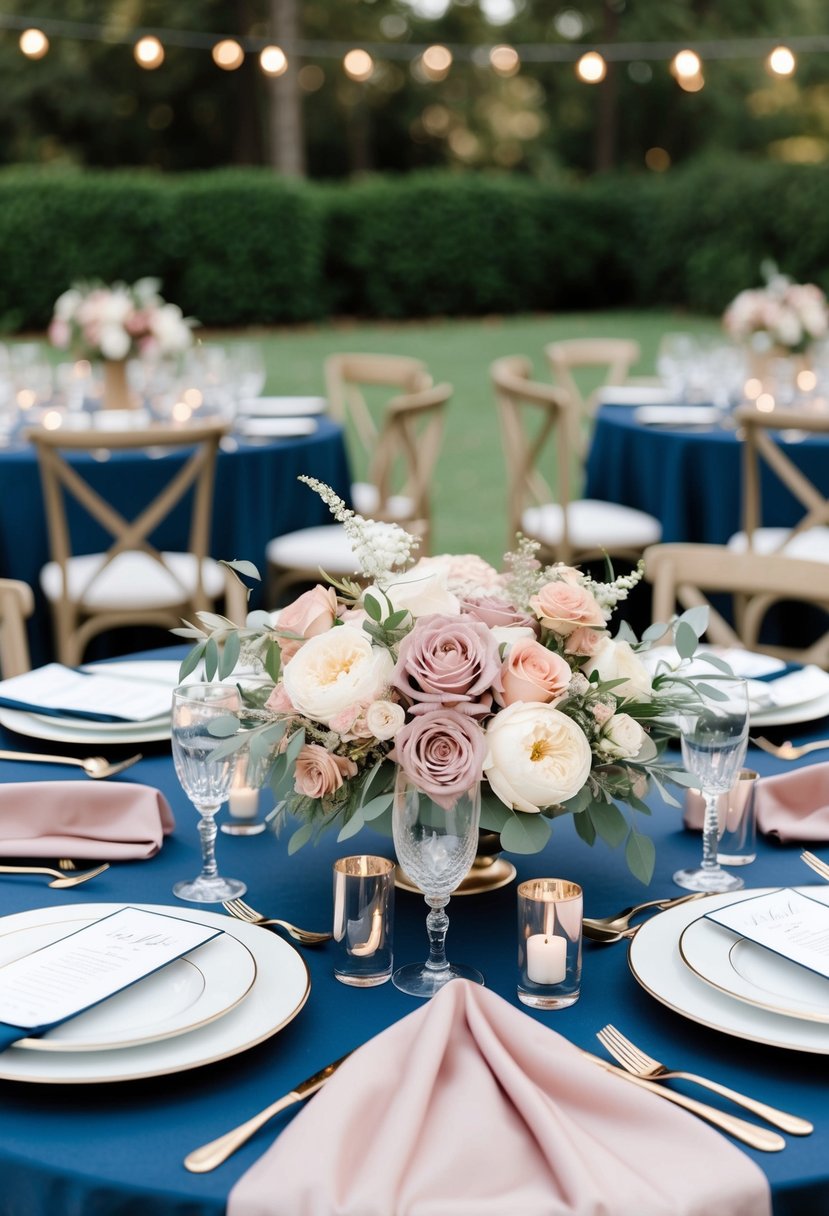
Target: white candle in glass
546	959
243	802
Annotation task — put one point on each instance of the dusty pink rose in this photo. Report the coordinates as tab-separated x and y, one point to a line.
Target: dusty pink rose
279	702
351	722
319	772
314	612
496	612
448	661
584	641
563	607
531	672
442	753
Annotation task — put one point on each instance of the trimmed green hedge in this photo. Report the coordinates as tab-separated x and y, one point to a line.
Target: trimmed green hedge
236	247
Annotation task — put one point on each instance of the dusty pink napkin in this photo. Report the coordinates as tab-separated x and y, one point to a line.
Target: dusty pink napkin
791	806
468	1107
76	819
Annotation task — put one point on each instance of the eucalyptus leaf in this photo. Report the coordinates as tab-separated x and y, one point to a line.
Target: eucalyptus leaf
376	806
609	822
299	838
355	824
223	727
243	567
211	659
230	655
710	691
191	660
525	833
584	827
295	746
373	607
493	813
697	618
273	661
655	631
715	661
666	796
625	634
685	640
640	854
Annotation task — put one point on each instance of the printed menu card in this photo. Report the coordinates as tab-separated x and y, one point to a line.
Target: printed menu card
789	923
85	967
59	691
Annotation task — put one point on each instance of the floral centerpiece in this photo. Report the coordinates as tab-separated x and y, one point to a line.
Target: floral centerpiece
782	315
458	674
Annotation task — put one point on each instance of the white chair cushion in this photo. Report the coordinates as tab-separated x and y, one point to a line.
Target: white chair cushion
812	545
132	580
365	498
593	524
327	547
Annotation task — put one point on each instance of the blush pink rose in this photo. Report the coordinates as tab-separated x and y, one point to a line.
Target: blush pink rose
350	722
563	607
584	641
441	752
313	613
448	661
496	612
279	702
319	772
531	672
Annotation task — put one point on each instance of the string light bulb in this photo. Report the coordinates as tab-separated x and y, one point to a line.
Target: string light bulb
504	60
273	61
686	64
33	43
358	64
436	61
148	52
228	55
591	68
781	61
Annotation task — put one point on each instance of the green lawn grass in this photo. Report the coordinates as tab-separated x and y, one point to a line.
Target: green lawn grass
470	487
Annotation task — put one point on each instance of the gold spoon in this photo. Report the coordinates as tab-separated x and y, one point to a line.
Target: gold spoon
61	879
94	766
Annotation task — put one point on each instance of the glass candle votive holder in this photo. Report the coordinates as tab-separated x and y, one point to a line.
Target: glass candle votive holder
737	841
549	942
363	920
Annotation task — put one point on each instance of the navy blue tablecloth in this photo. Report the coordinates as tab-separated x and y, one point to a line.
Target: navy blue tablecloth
257	497
118	1148
689	479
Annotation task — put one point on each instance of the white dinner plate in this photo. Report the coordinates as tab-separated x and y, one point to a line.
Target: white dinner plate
190	992
657	965
785	715
747	972
634	395
275	428
677	415
279	991
282	407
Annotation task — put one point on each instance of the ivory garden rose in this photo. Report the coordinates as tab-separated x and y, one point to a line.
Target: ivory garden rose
616	660
335	670
536	756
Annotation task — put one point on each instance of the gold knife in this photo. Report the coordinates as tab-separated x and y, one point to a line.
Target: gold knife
757	1137
206	1158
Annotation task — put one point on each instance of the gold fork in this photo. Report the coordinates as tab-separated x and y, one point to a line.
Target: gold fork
61	879
814	863
640	1064
788	750
243	911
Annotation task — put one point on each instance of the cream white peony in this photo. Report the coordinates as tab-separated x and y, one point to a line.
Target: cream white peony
617	661
536	756
622	738
422	592
334	670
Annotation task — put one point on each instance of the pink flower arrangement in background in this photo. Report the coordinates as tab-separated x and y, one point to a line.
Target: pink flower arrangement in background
783	313
97	321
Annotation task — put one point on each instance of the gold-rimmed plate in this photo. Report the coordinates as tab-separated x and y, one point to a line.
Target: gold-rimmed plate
278	994
657	965
188	993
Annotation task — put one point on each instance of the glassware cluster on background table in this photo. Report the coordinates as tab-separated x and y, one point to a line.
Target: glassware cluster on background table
113	1146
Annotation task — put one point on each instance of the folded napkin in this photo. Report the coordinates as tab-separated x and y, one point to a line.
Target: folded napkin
100	821
468	1107
795	805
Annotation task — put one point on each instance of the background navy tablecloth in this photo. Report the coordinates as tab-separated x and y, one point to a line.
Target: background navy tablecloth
689	479
257	497
117	1148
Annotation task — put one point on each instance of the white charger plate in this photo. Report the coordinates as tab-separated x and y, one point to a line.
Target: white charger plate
656	963
278	993
275	428
281	407
190	992
747	972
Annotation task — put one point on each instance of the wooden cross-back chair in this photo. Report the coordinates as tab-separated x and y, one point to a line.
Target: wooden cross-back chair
809	537
686	575
16	604
536	430
611	357
403	466
131	582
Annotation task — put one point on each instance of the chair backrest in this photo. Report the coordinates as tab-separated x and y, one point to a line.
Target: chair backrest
62	481
406	452
533	415
612	358
683	574
346	377
16	604
762	448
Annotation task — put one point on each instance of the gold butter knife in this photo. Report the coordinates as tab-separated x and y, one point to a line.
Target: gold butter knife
756	1137
206	1158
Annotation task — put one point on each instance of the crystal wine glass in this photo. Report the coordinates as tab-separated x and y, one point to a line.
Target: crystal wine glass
436	848
714	741
206	781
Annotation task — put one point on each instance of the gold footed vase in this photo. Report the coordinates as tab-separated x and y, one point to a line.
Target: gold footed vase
489	870
117	394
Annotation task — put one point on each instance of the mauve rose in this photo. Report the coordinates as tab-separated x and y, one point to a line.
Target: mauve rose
496	612
442	753
563	607
531	672
314	612
584	641
319	772
448	661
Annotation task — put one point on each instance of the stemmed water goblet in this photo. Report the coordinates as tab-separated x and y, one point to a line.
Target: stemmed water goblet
205	774
714	738
436	846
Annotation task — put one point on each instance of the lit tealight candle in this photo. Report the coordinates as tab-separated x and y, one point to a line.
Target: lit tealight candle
546	958
243	802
